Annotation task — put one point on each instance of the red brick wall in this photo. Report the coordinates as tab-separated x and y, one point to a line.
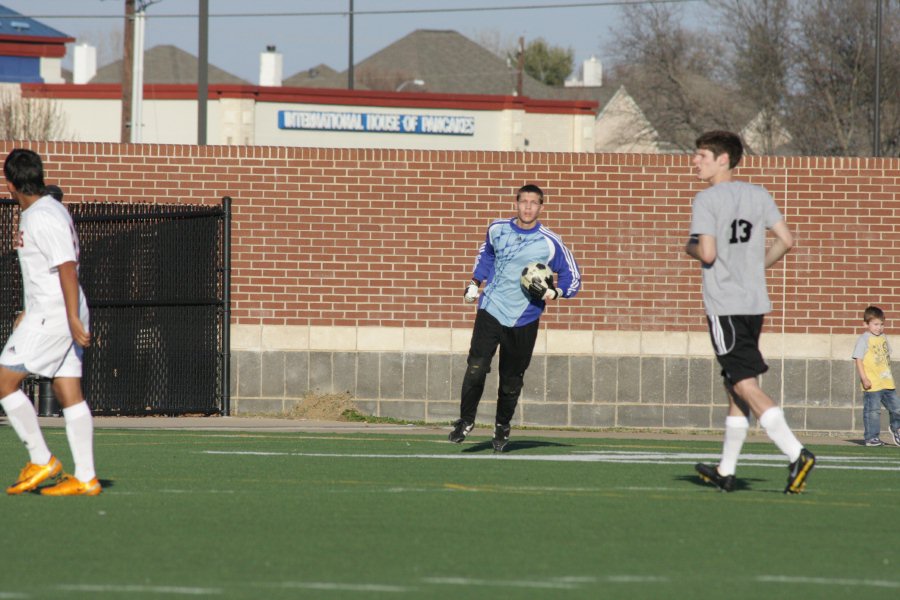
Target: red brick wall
387	237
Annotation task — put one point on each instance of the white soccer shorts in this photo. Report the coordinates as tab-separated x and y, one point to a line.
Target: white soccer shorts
45	355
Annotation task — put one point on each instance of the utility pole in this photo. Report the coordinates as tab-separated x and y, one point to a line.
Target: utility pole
203	73
127	70
520	68
350	68
876	136
137	73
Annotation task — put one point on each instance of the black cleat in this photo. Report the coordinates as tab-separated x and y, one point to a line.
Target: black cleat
461	429
710	474
501	437
799	471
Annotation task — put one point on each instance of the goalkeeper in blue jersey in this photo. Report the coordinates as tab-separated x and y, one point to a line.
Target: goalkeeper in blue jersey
508	312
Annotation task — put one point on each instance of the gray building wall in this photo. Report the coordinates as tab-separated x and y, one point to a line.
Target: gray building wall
819	395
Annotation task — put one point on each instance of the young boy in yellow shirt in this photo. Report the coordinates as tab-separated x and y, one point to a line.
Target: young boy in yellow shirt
872	355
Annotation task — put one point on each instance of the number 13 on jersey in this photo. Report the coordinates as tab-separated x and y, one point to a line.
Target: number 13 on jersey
740	231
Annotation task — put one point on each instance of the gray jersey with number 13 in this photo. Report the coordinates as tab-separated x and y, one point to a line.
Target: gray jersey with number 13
737	214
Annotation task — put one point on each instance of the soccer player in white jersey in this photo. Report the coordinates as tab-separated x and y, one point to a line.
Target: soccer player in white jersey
729	221
49	335
508	314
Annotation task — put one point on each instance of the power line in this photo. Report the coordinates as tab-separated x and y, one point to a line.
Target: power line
404	11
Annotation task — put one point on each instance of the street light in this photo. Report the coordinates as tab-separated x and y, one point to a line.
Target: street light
415	82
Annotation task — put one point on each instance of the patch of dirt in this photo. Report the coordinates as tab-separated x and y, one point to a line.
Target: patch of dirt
323	407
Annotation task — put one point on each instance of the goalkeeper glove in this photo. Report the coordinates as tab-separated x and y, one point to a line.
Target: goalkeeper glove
543	291
471	293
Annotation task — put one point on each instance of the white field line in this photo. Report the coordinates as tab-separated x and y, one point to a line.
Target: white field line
142	589
176	492
449	488
615	579
339	587
635	579
505	583
554	583
756	460
879	583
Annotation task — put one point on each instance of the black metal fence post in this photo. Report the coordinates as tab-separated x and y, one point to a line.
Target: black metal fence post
226	311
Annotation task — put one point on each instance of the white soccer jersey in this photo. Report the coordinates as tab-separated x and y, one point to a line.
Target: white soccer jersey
47	239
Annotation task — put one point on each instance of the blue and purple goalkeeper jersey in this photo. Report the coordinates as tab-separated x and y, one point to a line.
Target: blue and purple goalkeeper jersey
506	251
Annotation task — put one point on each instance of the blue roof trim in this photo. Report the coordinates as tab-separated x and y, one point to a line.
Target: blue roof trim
15	24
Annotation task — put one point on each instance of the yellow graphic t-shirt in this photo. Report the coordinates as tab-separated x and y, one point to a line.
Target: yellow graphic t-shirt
875	353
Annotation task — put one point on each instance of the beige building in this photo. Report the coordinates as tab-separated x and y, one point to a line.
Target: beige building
279	116
622	127
432	89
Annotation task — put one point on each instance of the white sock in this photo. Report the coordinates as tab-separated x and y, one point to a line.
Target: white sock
735	434
80	431
778	431
23	419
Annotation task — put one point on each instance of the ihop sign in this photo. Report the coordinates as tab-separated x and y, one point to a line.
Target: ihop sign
376	122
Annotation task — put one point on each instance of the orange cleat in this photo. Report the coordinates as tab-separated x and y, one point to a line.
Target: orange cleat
70	486
33	475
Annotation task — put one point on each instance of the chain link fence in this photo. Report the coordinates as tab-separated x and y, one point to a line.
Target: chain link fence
157	281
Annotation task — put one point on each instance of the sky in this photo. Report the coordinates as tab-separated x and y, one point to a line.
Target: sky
305	41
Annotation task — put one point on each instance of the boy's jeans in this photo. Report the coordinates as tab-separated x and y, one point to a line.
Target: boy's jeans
872	402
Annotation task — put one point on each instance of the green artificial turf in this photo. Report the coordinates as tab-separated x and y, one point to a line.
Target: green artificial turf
286	515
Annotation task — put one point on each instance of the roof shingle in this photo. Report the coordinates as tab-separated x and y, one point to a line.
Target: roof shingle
448	63
167	64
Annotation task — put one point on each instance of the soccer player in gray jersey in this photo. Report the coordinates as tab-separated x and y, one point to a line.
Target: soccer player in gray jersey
728	236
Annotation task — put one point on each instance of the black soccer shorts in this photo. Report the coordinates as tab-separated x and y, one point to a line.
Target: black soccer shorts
735	339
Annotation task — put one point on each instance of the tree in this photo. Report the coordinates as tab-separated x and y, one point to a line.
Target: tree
109	44
32	119
501	44
890	86
675	74
550	65
834	66
775	70
758	38
833	104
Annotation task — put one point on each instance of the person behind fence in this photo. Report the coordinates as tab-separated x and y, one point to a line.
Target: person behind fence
54	191
49	336
729	220
872	355
508	313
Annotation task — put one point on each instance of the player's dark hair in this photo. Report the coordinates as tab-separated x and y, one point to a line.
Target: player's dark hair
873	312
532	189
722	142
53	191
25	171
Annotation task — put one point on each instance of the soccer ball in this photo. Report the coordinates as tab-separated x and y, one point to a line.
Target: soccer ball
537	273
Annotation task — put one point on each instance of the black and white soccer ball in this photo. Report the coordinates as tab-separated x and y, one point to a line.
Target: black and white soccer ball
537	272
